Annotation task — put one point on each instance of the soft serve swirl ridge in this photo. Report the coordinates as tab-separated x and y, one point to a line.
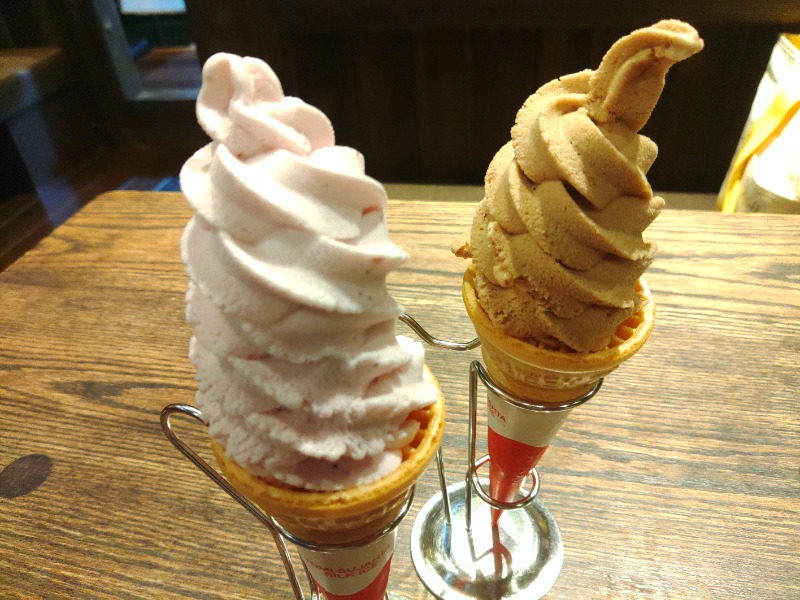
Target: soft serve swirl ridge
300	372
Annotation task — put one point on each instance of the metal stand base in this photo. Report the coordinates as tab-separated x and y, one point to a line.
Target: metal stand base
519	560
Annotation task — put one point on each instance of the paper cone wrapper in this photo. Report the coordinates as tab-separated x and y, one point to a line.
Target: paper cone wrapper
540	375
344	516
517	439
359	574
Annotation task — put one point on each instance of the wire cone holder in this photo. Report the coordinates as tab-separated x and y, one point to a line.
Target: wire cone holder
279	534
459	549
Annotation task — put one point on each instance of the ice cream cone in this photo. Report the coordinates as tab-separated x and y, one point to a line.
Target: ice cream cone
540	374
345	516
301	376
342	516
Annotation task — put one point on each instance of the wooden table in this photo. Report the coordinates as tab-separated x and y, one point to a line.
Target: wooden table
679	480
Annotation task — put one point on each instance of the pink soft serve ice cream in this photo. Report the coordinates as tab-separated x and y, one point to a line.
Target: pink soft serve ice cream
300	373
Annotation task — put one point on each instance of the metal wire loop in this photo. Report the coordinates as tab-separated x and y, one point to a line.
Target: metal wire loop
196	414
486	497
266	520
524	404
278	532
428	338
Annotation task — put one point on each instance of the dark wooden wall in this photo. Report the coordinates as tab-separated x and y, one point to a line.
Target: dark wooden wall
428	89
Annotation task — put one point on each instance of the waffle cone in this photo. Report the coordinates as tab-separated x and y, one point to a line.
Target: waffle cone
349	515
541	374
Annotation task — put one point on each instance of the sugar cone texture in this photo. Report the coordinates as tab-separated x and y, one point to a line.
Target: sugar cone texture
541	374
347	515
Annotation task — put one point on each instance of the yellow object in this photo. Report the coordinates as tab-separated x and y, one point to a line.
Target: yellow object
540	373
763	130
347	515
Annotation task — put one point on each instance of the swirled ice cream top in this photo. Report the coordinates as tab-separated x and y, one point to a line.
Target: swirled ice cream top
300	373
557	240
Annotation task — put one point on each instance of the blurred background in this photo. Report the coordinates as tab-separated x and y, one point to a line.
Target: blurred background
99	94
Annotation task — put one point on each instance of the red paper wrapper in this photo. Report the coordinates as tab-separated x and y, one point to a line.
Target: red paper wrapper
359	574
517	440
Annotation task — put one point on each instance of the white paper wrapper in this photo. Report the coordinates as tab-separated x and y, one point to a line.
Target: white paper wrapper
517	440
532	428
359	574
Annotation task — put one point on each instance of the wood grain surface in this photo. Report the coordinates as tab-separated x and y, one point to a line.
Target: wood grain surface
679	480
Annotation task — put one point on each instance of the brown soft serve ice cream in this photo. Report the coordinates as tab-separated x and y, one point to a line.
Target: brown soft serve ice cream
556	243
